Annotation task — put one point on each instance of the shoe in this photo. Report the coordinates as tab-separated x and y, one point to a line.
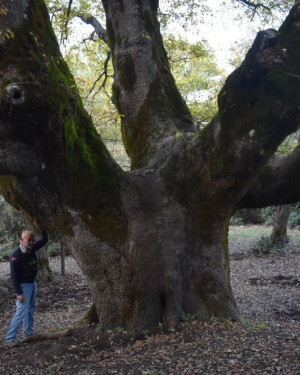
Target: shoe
10	344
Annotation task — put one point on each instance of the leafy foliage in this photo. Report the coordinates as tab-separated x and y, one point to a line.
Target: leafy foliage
264	247
265	216
197	76
188	317
294	220
184	13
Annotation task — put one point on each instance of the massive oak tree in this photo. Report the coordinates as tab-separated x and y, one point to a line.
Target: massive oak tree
152	242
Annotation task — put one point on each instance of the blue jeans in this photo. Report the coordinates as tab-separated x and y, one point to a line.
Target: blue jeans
24	313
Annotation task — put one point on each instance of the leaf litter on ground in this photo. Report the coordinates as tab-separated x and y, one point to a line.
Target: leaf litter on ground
267	293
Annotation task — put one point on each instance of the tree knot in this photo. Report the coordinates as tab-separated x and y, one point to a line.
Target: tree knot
262	56
264	40
14	94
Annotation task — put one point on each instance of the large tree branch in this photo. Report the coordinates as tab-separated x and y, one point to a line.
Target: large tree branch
258	108
250	127
48	142
278	183
144	90
259	103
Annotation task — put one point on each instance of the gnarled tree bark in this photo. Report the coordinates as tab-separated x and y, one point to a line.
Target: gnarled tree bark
152	242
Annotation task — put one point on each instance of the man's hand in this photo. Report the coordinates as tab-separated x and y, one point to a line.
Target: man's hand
20	298
37	225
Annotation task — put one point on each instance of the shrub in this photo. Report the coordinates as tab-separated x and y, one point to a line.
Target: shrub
264	247
268	214
294	220
247	216
53	248
6	249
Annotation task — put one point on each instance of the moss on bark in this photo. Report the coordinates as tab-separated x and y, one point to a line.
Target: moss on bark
158	108
91	316
77	168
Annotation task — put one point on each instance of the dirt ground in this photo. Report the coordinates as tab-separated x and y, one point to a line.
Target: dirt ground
267	290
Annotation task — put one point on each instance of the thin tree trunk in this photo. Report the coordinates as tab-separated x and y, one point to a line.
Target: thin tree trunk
43	262
62	256
44	269
279	231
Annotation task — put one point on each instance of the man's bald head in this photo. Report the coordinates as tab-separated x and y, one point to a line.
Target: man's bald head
27	239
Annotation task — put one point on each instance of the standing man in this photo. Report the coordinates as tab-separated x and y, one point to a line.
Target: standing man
23	272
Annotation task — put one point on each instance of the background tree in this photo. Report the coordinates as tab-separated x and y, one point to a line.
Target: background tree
279	232
152	242
278	216
278	236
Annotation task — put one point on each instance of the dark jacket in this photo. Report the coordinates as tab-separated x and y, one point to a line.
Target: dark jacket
23	266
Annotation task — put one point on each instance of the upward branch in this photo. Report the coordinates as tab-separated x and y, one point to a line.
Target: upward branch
144	90
259	104
258	108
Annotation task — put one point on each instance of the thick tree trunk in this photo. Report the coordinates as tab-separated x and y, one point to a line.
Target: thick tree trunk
165	266
278	235
151	242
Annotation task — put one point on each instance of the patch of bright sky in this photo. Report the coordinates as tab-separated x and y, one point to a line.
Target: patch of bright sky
224	30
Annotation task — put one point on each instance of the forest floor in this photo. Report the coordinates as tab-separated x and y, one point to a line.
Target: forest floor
267	290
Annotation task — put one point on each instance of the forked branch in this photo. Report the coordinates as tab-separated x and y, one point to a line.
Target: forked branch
91	20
